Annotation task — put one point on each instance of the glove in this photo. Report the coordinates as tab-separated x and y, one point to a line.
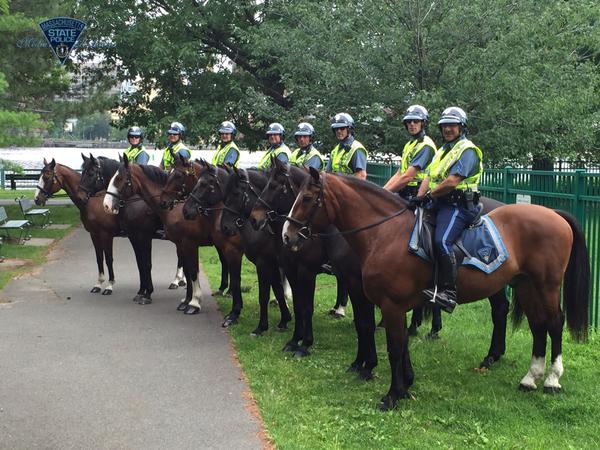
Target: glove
416	202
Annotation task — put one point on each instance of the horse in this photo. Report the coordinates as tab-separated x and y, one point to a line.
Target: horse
180	182
546	248
207	197
275	201
102	228
136	220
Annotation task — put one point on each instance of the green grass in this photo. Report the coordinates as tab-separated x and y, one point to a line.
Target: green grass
8	194
313	403
34	255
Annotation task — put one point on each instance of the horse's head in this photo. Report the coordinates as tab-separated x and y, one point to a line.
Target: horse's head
92	178
237	202
179	184
276	198
123	185
207	192
48	184
308	213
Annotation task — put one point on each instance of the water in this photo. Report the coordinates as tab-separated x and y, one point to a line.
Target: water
33	158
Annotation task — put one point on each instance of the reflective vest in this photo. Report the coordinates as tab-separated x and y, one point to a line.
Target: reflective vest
299	158
265	161
411	149
133	152
340	158
168	159
219	157
440	166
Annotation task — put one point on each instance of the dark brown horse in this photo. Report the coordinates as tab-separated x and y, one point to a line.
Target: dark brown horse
544	246
180	182
101	226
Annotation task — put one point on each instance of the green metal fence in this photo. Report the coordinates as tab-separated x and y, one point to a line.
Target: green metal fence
577	192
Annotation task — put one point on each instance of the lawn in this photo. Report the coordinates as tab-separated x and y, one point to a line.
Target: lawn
313	403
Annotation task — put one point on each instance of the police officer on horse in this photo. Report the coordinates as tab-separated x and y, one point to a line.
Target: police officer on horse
416	155
451	190
306	154
176	146
136	152
277	148
349	156
227	151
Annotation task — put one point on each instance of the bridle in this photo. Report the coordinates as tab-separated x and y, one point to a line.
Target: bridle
128	183
91	192
271	214
43	190
181	194
241	216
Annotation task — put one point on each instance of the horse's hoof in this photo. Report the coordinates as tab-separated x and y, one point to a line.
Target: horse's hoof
229	320
282	326
258	332
353	368
137	298
290	347
487	362
173	286
107	292
432	336
144	300
526	388
95	290
191	310
301	353
217	293
273	302
552	389
365	375
182	306
182	283
387	403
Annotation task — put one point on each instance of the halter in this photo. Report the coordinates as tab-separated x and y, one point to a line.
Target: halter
128	183
182	193
271	214
43	190
240	220
205	211
98	182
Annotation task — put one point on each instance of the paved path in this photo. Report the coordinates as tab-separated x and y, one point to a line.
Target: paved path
86	371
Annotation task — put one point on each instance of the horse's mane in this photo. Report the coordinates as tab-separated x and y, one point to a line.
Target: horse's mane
298	175
257	177
155	174
372	188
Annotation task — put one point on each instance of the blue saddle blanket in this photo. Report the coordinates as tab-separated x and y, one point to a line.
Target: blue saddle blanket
481	244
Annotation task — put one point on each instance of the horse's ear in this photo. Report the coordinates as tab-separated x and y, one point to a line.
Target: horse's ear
85	158
314	173
52	164
125	161
46	162
236	171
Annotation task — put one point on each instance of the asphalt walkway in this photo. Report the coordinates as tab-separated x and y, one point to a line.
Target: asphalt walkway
86	371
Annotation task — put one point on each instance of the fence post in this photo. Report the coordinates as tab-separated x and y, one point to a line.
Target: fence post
578	191
2	178
506	183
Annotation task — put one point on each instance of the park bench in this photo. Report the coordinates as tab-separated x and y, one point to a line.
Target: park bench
7	226
15	179
37	216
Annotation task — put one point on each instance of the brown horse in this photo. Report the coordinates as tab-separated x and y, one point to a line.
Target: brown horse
180	183
101	226
544	246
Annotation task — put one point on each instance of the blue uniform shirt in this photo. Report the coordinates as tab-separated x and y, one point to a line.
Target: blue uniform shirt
231	157
142	158
467	165
423	158
314	162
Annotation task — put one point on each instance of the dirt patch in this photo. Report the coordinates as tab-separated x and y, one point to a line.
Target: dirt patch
12	263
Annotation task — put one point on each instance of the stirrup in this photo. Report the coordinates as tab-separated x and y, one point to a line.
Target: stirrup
440	298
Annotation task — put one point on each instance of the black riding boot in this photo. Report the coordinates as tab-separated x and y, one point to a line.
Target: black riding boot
446	283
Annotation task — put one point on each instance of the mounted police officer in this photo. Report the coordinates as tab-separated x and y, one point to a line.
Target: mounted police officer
136	152
306	154
416	156
277	148
227	151
176	133
349	156
452	187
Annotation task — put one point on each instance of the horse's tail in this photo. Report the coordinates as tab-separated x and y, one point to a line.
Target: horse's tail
576	287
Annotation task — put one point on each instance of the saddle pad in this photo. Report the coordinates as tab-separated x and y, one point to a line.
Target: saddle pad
481	245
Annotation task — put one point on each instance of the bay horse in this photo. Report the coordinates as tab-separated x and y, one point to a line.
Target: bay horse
207	198
102	227
546	248
136	220
180	182
302	267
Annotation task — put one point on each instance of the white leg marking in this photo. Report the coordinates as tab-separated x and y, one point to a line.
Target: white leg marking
341	311
554	373
178	276
196	294
287	289
536	372
110	204
101	279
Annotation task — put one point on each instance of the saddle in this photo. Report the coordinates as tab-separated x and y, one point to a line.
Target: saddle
479	246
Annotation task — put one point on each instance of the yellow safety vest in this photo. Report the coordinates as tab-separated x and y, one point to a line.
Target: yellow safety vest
340	159
219	157
265	161
168	159
411	149
298	158
133	152
440	166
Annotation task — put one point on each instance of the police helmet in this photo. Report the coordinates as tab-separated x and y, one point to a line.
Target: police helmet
276	128
455	115
416	112
227	127
135	132
176	128
305	129
342	120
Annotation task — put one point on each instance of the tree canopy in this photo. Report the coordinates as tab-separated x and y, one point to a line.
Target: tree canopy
526	72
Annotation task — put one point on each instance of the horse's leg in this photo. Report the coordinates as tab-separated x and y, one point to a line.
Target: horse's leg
306	282
263	273
415	321
364	323
183	303
224	273
499	304
397	347
97	241
339	310
179	279
293	344
190	262
436	322
234	263
555	329
107	244
278	284
146	250
139	262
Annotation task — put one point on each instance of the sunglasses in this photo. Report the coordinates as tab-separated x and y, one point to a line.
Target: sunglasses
412	121
172	134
